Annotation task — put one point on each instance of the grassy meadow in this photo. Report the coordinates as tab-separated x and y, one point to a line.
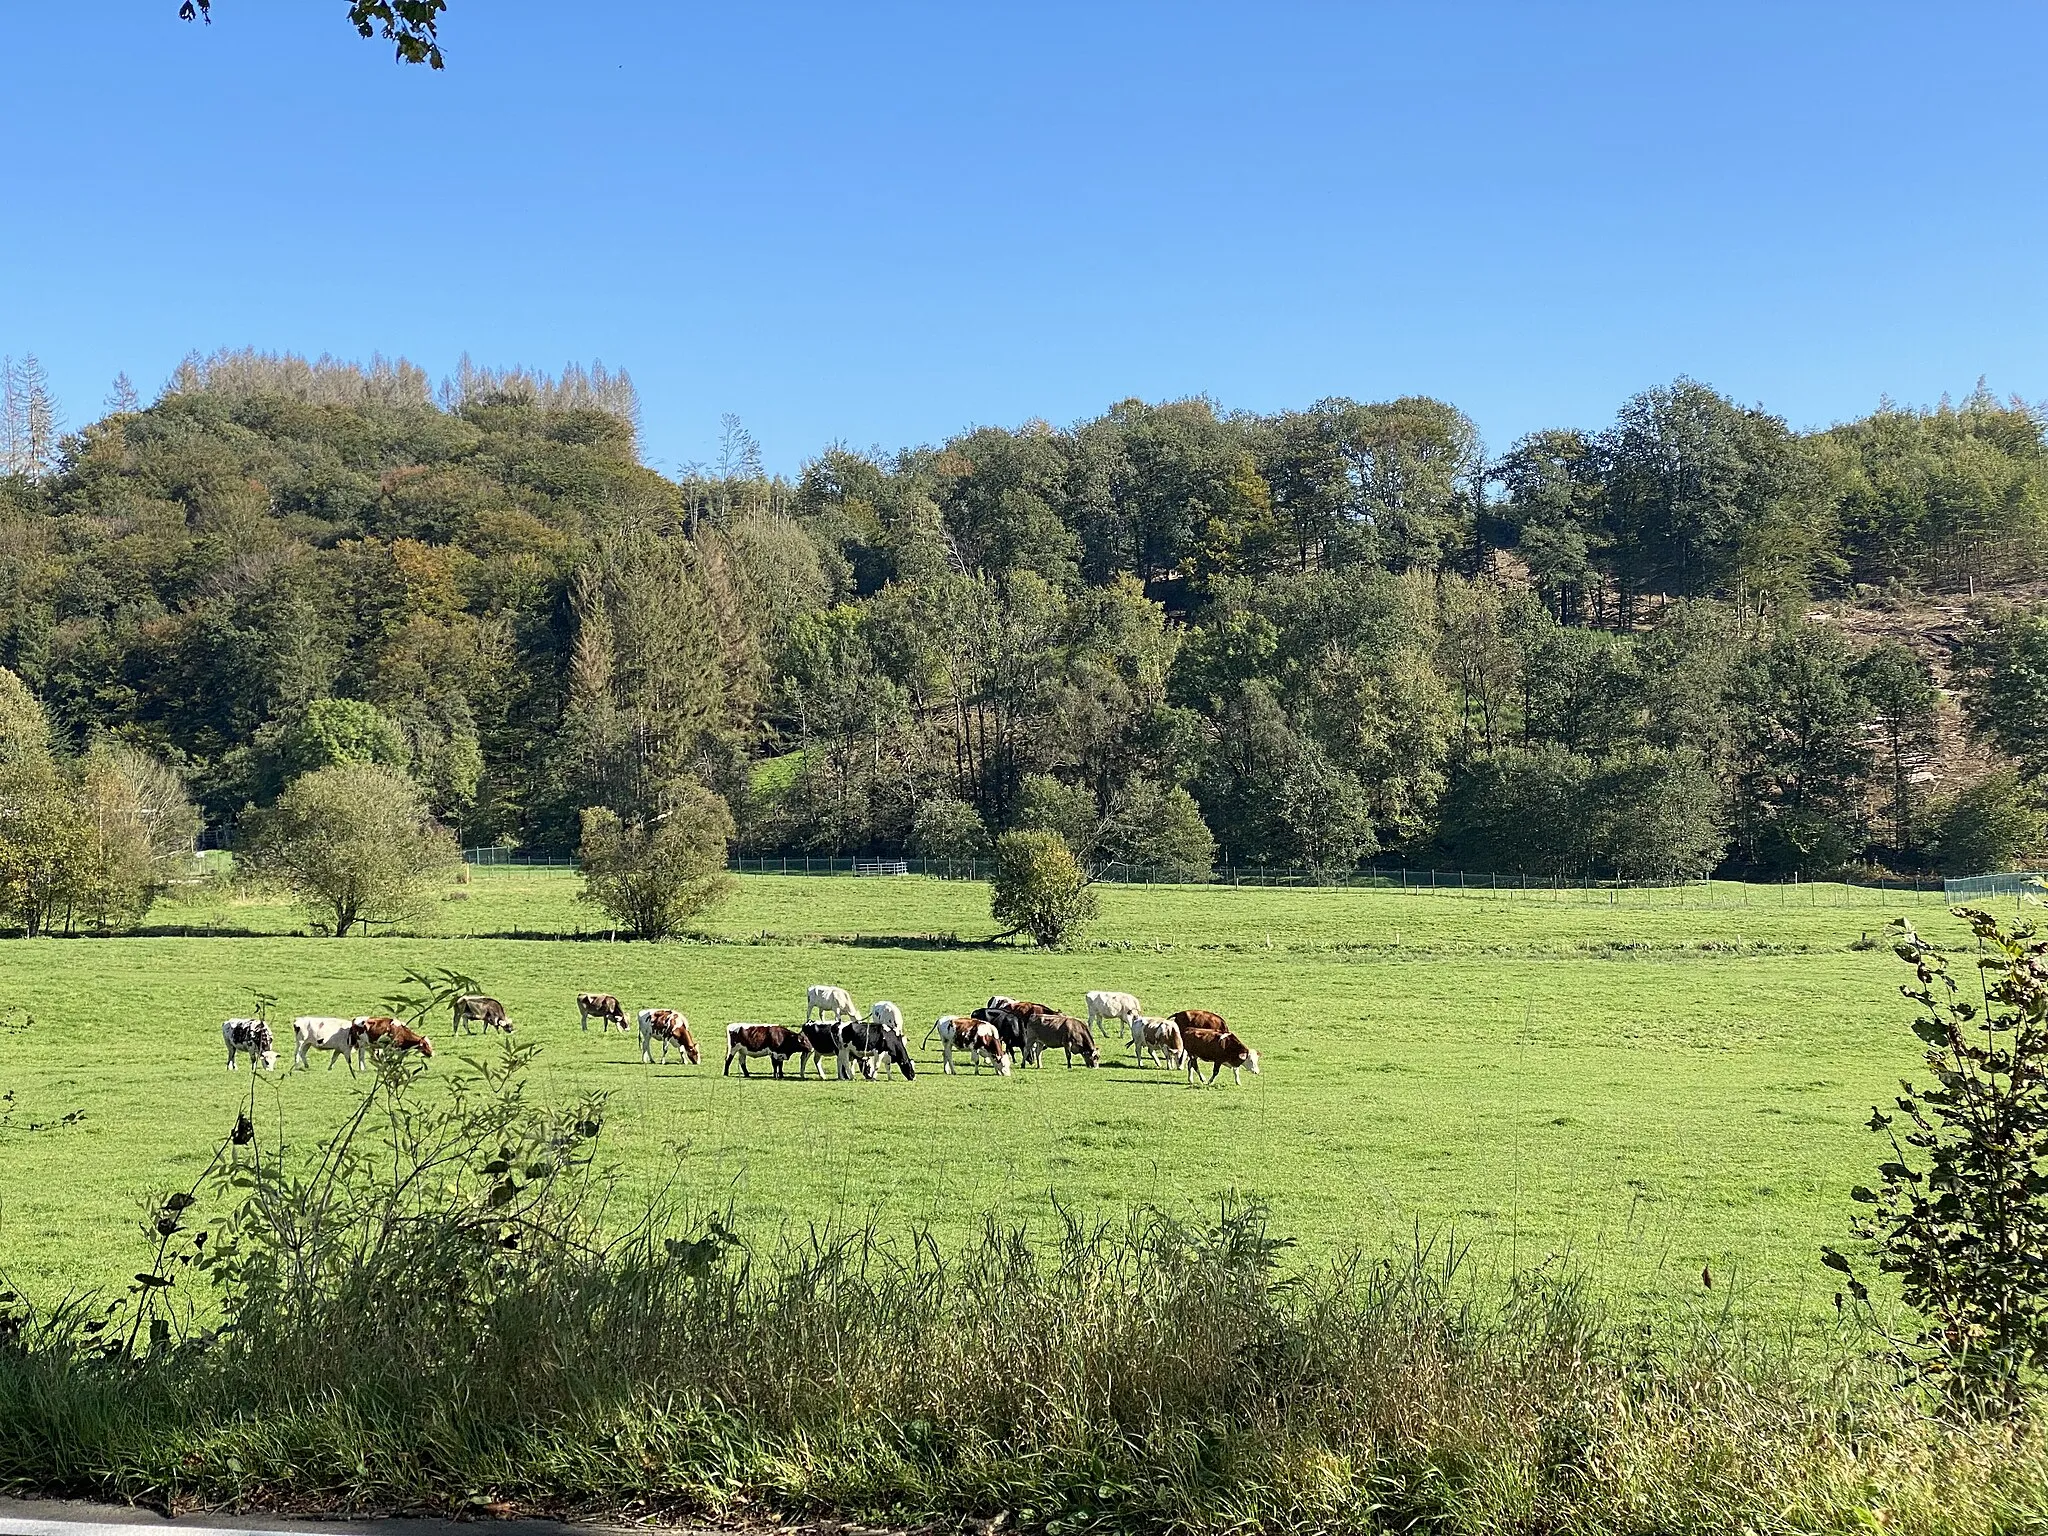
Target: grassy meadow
1644	1083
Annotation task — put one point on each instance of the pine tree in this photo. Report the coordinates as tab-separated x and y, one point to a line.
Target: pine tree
13	421
123	397
30	422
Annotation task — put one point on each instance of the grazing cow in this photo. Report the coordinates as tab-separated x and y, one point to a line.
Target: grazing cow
775	1041
821	1000
1066	1032
1120	1006
601	1006
1201	1018
978	1037
1151	1036
1220	1048
821	1039
384	1030
1007	1025
345	1038
474	1010
670	1028
250	1036
879	1039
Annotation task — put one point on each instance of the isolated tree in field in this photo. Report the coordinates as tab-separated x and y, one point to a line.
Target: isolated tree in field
1960	1215
1038	888
355	844
92	840
42	839
135	825
651	878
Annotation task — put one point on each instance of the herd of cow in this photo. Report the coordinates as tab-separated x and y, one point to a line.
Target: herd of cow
1002	1031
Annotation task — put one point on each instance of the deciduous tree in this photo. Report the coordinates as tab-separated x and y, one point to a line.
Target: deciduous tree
355	844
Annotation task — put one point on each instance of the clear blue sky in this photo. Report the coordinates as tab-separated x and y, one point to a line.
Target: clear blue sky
881	223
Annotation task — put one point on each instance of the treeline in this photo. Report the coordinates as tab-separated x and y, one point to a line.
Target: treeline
1171	634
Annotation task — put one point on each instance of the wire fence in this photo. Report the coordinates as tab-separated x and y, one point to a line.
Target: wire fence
1442	882
2018	883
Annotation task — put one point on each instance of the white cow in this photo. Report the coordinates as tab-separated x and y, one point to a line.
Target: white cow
345	1038
1149	1037
980	1039
823	1000
1120	1006
250	1036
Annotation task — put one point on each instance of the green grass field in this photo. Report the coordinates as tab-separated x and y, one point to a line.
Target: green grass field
1644	1083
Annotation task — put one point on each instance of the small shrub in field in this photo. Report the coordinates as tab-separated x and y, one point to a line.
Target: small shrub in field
1961	1212
652	879
1038	888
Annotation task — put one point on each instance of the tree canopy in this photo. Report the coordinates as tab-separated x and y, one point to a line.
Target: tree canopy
412	27
1170	634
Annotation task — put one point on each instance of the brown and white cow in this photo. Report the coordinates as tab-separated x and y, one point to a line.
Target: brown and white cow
1201	1018
382	1029
601	1006
475	1010
1220	1048
978	1037
1149	1037
1060	1031
670	1028
775	1041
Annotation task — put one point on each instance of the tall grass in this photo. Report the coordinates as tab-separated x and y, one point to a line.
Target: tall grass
429	1313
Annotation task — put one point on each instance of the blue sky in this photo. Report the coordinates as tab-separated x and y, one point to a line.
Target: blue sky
881	223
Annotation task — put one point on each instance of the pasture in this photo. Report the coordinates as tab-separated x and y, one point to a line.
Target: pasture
1646	1084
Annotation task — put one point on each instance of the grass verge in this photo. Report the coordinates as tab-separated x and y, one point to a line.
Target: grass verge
435	1309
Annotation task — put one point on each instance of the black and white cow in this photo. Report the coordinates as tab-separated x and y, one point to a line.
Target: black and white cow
249	1037
874	1040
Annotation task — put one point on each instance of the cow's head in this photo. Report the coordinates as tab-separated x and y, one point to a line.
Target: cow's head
1251	1062
426	1046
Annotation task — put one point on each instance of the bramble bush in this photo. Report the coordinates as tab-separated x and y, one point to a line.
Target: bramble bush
1960	1214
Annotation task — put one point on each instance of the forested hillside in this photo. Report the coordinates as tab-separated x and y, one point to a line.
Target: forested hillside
1175	634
